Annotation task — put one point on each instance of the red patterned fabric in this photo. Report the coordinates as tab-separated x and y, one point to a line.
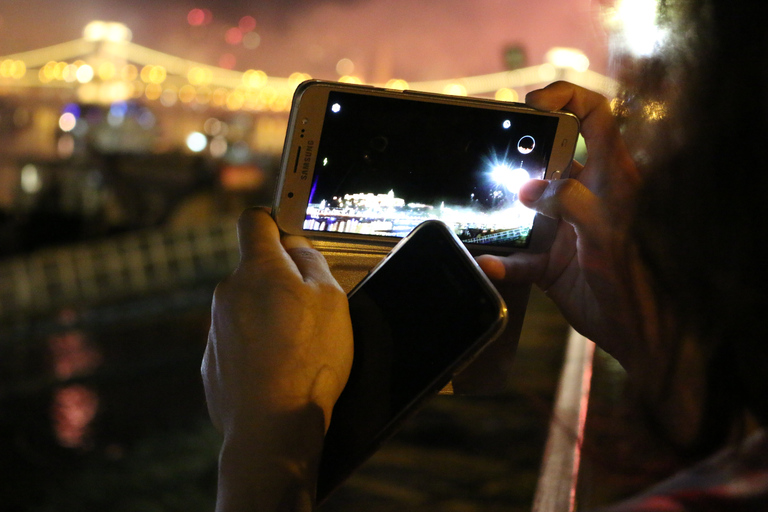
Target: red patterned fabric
735	480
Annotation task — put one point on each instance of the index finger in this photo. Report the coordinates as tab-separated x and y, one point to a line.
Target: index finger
605	145
592	109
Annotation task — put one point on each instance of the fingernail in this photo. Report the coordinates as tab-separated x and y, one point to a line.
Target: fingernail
532	190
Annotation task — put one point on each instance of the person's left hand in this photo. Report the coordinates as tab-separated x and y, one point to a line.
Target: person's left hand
281	336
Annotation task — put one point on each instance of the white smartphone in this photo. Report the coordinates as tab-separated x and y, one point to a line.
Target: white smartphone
418	318
368	164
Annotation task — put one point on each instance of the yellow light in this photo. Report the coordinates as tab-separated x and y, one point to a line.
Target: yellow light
48	72
397	84
58	70
204	95
655	110
69	73
199	76
296	78
219	97
20	70
153	91
636	23
13	69
129	73
157	74
107	31
619	107
255	78
107	71
235	100
347	79
5	68
568	58
455	90
280	103
187	93
505	94
84	74
145	74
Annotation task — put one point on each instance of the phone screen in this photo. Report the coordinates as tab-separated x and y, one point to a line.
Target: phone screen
416	319
384	165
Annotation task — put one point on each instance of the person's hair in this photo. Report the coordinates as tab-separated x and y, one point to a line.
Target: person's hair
702	211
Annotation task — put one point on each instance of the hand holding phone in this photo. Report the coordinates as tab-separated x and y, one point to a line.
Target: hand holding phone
418	318
368	164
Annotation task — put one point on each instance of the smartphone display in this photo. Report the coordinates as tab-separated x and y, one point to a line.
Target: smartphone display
367	163
418	318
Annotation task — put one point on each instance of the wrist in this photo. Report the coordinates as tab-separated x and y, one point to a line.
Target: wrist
271	464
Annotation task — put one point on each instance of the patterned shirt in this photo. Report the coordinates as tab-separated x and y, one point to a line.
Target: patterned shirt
734	480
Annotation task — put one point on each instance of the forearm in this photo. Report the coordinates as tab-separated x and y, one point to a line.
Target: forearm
272	466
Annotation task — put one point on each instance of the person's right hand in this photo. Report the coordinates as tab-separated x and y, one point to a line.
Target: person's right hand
590	271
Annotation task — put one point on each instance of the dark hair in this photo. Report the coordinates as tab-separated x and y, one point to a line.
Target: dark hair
702	212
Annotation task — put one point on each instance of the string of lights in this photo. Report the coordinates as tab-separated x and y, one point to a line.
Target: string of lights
105	66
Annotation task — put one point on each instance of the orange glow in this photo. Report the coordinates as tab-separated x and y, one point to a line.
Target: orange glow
296	78
153	91
347	79
107	71
187	93
505	94
241	178
254	78
204	95
455	90
12	69
129	73
397	84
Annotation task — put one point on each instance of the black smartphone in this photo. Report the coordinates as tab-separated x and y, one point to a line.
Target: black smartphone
367	164
418	318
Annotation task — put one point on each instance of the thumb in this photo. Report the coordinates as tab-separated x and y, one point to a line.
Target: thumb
565	199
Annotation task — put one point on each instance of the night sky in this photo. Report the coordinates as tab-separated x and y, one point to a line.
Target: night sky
413	40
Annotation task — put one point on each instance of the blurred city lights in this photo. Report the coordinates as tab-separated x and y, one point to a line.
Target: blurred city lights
67	122
196	17
455	90
506	94
30	179
233	36
345	67
397	84
196	142
635	22
568	58
107	31
247	24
